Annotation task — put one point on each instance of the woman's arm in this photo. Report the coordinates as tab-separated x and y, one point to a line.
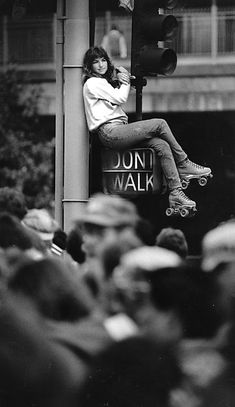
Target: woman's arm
100	88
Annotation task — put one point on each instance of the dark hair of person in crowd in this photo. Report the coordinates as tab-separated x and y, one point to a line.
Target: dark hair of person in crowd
13	202
55	289
13	233
135	372
173	239
74	245
145	231
192	294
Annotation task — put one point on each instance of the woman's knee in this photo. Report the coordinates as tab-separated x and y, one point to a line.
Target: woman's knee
159	122
159	126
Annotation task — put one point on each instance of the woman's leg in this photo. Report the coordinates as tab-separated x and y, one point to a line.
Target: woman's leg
155	133
127	135
164	153
177	198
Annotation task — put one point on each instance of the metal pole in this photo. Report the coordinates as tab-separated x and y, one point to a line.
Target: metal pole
139	88
214	30
59	123
92	15
76	147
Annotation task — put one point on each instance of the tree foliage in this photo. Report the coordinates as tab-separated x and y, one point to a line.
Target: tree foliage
26	151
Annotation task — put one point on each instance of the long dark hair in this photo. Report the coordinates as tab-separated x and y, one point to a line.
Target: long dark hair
89	57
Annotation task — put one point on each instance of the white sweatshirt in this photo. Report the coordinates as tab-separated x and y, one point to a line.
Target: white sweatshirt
103	102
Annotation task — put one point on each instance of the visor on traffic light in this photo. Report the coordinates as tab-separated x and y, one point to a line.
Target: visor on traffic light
166	4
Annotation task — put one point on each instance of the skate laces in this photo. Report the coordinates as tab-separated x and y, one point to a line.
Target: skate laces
179	198
182	194
199	167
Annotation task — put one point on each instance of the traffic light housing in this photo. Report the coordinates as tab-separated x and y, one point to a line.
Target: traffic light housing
149	27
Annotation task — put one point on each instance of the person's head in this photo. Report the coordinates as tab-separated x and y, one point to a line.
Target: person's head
131	279
41	222
110	254
114	27
74	244
166	297
130	373
105	216
173	239
13	202
218	247
53	286
97	63
192	295
145	231
13	233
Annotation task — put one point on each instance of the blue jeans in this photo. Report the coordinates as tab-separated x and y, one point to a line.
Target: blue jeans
153	133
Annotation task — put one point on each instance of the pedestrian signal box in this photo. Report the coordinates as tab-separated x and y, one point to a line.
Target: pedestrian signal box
131	172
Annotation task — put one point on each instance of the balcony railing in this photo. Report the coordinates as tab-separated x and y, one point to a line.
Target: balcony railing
203	33
208	32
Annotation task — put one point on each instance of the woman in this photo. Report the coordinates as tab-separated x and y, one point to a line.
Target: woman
105	90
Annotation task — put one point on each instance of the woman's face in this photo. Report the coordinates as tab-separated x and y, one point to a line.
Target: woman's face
100	66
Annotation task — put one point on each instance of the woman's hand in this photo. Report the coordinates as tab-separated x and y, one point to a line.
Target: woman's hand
123	75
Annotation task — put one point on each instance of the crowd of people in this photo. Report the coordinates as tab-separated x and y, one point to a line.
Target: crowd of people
108	314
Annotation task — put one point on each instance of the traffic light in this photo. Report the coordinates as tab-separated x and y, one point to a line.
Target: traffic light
149	26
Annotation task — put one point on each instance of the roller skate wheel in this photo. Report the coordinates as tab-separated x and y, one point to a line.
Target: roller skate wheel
184	212
202	181
169	211
184	184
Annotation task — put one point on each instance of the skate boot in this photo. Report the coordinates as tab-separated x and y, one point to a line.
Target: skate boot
189	170
180	204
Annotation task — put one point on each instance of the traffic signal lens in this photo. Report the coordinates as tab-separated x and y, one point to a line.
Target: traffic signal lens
170	26
163	27
169	61
158	60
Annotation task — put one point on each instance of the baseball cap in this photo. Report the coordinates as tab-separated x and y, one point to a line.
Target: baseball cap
41	222
137	262
109	211
218	246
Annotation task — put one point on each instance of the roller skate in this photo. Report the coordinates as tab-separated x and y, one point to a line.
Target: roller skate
180	204
189	170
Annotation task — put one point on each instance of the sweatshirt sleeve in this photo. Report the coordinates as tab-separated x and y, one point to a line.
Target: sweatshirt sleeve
100	88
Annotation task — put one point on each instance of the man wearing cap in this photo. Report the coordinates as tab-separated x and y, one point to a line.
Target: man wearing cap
106	216
161	294
133	279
